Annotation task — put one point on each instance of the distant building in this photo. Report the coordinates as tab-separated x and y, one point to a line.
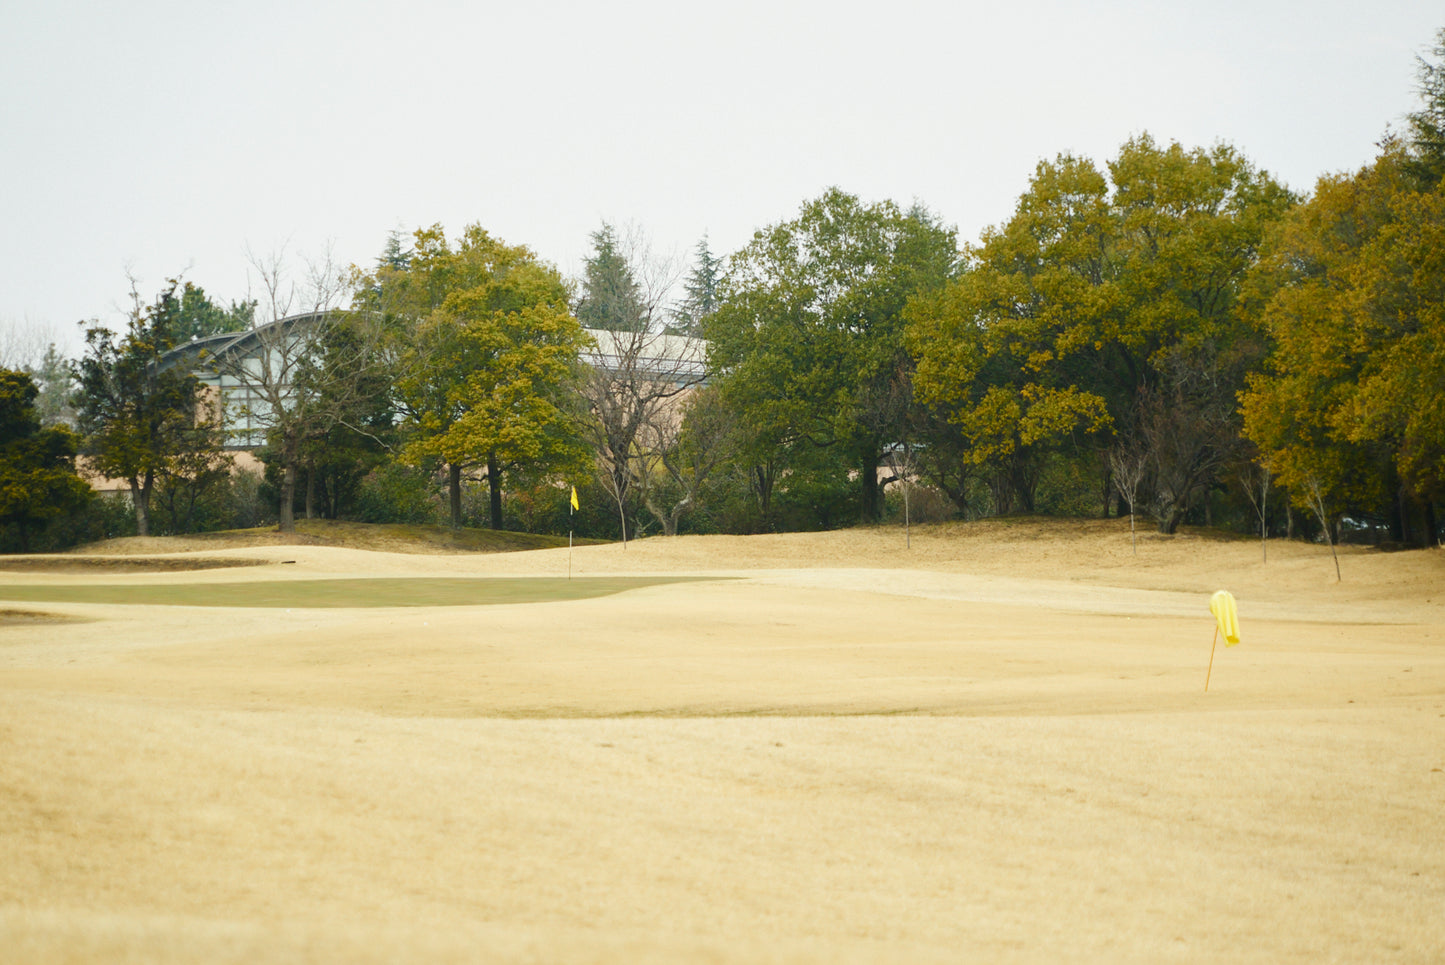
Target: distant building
270	352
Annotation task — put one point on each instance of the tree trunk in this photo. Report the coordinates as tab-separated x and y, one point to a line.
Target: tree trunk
907	518
871	493
454	493
1400	517
494	485
287	522
619	482
763	481
310	492
673	518
140	498
1169	521
621	515
1023	479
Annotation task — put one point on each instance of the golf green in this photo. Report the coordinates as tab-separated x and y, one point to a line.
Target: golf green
381	592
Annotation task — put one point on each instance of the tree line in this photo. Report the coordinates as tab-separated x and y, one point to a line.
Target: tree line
1173	335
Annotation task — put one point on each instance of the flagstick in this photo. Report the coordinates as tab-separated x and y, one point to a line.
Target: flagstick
569	542
1212	644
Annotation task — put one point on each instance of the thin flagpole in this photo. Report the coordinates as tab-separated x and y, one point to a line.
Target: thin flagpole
1212	644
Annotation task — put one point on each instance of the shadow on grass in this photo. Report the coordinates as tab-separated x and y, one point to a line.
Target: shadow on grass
345	593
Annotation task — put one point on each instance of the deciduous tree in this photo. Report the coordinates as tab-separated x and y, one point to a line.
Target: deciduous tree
809	328
492	360
1351	403
1090	298
681	447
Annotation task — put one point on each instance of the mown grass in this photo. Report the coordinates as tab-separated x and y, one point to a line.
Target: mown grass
381	592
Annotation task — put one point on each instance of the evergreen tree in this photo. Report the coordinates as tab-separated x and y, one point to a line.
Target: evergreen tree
1427	125
611	298
701	290
56	383
38	481
395	255
138	416
196	316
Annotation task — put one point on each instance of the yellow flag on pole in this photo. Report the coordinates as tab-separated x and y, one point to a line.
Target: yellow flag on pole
1226	614
574	499
1226	624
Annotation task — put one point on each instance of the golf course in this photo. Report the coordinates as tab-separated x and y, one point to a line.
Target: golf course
993	744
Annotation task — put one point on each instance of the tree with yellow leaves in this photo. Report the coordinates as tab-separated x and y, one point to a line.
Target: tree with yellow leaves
487	353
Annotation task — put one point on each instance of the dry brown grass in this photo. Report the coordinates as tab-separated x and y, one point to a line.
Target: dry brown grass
994	746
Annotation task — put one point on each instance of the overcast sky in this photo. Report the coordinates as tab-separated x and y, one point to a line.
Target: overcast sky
157	138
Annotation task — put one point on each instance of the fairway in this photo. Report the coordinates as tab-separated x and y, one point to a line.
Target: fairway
994	745
379	592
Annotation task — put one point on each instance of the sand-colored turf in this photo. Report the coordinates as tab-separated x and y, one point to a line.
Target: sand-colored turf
426	591
994	746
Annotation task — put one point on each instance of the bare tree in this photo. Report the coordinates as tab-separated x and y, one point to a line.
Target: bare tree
632	386
902	462
635	372
22	346
1316	496
1254	479
1189	426
303	367
1128	465
680	449
886	412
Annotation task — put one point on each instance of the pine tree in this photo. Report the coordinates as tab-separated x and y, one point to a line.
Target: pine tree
1427	125
196	316
701	289
395	255
38	481
56	382
611	298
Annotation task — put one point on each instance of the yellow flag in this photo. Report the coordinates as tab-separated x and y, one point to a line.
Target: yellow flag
1226	614
574	498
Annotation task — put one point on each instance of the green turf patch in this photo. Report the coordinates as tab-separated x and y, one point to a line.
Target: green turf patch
345	593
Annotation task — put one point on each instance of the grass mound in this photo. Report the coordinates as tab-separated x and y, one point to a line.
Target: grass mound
385	537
